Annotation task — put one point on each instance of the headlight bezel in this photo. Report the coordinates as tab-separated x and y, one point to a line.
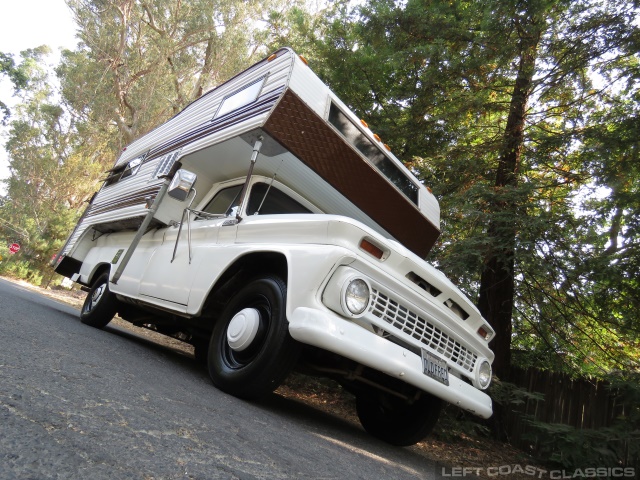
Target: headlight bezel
334	292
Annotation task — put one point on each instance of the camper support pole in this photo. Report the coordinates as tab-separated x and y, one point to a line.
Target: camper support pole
243	194
145	223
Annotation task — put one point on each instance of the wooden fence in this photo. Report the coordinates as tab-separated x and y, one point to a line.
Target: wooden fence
580	403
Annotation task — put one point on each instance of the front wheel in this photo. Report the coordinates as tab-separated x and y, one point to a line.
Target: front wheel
397	421
100	305
251	351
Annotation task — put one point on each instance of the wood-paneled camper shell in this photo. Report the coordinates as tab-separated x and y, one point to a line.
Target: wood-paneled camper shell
311	139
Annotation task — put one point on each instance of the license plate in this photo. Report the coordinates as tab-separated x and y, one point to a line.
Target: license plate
435	367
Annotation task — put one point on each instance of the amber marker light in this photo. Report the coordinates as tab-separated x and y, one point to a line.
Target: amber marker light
377	137
304	60
364	123
483	333
272	57
387	147
371	249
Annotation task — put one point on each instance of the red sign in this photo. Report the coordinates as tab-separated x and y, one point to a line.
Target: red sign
14	247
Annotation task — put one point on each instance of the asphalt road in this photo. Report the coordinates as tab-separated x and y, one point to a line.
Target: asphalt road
82	403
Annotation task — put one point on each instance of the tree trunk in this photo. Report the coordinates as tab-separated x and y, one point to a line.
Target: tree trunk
497	280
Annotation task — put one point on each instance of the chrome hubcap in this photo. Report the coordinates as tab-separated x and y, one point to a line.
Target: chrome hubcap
96	296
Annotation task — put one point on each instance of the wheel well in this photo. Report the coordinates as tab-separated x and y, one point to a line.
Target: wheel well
242	270
99	270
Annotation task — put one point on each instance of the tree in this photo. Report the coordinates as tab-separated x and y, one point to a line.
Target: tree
141	62
50	177
17	77
491	104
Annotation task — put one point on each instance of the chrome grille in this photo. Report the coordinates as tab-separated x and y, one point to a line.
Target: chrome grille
404	320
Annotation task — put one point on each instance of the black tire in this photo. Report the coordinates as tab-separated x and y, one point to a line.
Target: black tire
100	305
265	363
397	421
201	351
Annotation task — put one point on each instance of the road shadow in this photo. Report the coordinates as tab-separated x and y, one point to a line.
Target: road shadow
327	427
180	356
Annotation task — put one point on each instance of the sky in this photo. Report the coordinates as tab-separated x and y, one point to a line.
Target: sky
28	24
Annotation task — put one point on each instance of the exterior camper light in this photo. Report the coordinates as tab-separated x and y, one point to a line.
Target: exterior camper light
364	124
182	183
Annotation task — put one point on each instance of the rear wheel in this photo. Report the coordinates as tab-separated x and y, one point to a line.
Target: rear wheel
100	305
251	351
396	421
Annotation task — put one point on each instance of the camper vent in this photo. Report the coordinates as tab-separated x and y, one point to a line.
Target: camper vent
166	162
125	170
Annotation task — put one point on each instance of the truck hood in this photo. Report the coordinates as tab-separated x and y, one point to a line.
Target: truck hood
397	261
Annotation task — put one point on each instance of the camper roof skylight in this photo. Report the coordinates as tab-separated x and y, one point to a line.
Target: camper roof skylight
241	97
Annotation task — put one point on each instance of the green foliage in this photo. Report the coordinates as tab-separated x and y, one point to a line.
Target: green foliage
51	175
18	74
564	446
552	203
509	395
140	63
454	423
21	269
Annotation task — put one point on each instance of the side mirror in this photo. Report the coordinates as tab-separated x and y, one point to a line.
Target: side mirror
181	184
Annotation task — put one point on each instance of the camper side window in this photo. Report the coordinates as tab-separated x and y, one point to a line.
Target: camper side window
124	171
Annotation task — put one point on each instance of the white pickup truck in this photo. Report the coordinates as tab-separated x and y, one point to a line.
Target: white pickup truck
271	228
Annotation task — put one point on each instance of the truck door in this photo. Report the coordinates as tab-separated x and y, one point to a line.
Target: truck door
170	279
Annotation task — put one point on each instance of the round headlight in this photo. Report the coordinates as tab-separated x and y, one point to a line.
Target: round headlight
356	296
484	374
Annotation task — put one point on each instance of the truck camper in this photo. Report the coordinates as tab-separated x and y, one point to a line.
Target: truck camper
268	226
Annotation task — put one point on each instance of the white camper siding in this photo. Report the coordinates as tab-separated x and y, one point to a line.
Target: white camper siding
428	205
122	200
199	114
191	130
110	198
